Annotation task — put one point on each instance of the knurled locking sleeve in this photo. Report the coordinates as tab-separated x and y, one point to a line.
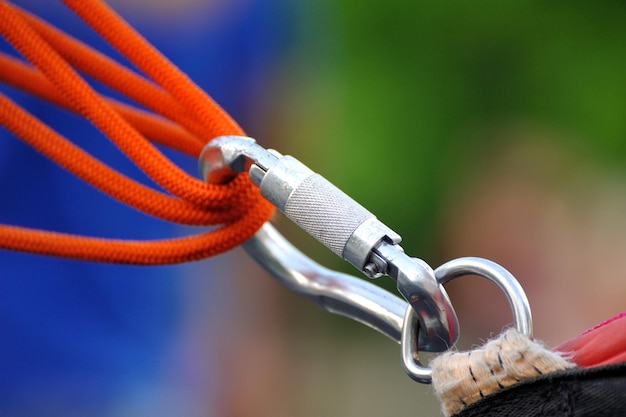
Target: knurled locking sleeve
324	211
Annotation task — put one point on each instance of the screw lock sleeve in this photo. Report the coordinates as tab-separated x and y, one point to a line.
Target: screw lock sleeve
324	211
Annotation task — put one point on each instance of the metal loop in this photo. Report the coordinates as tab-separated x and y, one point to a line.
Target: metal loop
522	318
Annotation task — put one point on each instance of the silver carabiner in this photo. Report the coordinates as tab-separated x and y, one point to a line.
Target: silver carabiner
342	225
427	323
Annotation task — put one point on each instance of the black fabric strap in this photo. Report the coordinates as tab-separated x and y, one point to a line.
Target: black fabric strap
597	392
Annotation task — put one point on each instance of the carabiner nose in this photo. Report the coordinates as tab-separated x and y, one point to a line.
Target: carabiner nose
339	223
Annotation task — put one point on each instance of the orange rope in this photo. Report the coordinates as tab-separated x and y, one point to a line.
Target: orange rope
24	77
117	77
191	119
137	50
157	252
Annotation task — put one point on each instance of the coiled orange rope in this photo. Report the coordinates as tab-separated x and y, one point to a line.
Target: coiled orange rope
183	117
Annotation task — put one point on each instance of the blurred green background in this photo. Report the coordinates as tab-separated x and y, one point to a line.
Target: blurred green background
398	101
483	128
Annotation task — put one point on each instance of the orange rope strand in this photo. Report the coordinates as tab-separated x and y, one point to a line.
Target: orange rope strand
156	252
143	55
116	76
26	78
89	169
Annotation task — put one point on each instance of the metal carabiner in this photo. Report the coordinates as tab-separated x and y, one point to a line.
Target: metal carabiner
345	227
427	323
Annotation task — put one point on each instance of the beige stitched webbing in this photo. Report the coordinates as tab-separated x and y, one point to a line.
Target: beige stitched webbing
462	378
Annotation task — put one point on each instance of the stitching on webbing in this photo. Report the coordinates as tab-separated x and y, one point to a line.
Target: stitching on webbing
460	379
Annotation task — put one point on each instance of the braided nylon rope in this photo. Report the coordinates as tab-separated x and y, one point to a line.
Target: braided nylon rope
181	116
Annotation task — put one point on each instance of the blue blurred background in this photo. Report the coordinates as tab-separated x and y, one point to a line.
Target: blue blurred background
486	129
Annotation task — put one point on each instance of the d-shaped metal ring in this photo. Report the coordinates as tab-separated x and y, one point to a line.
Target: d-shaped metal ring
522	318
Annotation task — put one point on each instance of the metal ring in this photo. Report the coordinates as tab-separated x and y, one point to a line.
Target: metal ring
522	318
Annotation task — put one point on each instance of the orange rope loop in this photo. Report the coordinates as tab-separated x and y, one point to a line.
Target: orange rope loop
185	118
